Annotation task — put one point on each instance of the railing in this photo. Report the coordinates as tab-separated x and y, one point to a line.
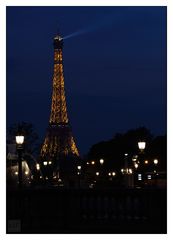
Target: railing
88	210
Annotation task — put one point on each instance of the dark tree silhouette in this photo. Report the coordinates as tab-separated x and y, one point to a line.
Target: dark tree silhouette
158	150
113	150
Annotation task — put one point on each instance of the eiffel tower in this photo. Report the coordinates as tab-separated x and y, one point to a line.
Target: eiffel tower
59	145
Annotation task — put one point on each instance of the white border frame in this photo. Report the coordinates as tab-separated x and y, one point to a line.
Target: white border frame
3	5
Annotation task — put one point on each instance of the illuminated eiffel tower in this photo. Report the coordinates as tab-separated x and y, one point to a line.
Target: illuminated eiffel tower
59	144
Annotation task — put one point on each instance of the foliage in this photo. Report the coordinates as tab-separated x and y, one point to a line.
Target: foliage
113	150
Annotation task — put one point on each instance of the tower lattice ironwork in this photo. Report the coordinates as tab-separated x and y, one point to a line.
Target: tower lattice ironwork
59	141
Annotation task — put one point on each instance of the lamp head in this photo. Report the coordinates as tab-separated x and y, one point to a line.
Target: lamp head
79	167
141	145
101	161
155	161
19	139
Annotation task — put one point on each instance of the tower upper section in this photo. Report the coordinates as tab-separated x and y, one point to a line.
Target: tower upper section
58	108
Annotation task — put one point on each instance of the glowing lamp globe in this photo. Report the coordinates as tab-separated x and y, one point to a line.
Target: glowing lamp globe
101	161
19	140
156	161
141	145
79	167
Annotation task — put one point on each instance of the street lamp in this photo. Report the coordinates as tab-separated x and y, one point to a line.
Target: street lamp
101	161
140	172
79	173
155	161
79	167
19	146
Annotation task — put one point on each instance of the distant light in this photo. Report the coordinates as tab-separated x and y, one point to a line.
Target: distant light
41	177
19	139
97	173
155	161
146	161
122	170
50	162
79	167
113	173
87	163
109	174
44	163
38	166
141	145
26	172
149	177
101	161
136	165
139	177
126	154
78	173
92	162
130	170
16	173
134	158
46	178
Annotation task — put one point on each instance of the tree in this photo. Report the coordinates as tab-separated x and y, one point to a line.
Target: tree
114	149
158	150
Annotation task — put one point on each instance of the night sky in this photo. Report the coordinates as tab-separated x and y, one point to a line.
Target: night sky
115	72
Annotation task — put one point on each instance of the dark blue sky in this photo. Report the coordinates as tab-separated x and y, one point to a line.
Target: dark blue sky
115	74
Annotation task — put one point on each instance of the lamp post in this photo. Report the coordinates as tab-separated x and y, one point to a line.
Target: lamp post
79	173
19	145
155	161
102	172
141	146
